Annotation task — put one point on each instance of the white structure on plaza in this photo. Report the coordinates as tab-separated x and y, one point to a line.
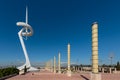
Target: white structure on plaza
54	68
59	64
69	71
25	32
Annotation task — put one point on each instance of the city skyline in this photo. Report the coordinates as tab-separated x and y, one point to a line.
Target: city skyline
57	23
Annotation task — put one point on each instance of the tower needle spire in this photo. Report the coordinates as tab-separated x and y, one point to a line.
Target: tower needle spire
26	15
26	20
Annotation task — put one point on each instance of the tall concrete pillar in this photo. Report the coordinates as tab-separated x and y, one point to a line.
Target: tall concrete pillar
54	65
69	71
46	65
95	48
74	68
110	70
78	68
95	74
59	64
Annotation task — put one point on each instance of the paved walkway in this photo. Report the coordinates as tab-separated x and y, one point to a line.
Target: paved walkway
108	76
44	75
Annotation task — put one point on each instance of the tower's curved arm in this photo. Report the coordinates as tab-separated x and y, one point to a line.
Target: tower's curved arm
25	26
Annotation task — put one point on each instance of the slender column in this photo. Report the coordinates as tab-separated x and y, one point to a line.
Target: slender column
74	68
68	57
54	64
45	65
95	48
69	71
59	64
110	70
95	74
102	70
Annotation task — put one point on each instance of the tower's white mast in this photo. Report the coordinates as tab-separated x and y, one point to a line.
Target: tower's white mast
26	15
26	20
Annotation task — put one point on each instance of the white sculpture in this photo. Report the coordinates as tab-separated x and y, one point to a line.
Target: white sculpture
25	31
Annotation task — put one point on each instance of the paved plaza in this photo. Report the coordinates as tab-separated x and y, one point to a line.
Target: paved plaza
45	75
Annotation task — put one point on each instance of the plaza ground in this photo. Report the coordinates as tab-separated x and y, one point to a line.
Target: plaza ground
46	75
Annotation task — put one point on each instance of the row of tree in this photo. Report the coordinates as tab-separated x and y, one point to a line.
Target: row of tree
118	66
8	71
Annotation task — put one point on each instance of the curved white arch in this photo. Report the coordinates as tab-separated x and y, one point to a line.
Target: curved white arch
25	26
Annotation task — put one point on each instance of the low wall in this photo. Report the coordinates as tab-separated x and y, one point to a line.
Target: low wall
6	77
116	72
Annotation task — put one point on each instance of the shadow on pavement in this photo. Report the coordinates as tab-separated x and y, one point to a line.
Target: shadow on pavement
84	77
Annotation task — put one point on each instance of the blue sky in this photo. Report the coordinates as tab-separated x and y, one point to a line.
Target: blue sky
57	23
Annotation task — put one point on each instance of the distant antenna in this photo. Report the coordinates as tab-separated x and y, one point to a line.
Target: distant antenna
111	56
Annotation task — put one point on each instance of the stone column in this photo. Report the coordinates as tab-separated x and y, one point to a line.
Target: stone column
59	64
74	68
54	65
102	70
110	70
69	71
95	74
95	48
45	65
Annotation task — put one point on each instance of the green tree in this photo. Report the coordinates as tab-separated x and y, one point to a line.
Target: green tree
118	66
8	71
1	74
